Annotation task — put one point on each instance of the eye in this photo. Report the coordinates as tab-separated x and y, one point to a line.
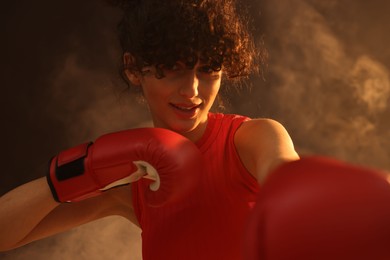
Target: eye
173	70
146	70
207	69
174	67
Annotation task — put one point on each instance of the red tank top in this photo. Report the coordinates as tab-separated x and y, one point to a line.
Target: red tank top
210	223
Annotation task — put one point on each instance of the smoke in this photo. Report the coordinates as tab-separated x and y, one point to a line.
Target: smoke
63	89
371	82
328	88
327	81
87	104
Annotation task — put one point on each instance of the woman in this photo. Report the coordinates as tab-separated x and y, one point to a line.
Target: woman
176	53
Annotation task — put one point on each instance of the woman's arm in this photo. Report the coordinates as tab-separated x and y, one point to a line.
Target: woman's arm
80	174
263	145
29	212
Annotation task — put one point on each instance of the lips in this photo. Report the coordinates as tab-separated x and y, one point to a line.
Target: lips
185	107
185	110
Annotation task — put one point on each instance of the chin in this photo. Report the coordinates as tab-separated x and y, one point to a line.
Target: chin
183	129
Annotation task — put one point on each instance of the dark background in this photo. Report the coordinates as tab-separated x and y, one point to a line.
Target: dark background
327	81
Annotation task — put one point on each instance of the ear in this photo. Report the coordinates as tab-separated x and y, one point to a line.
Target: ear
128	59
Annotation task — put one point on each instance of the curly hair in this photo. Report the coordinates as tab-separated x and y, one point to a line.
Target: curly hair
160	33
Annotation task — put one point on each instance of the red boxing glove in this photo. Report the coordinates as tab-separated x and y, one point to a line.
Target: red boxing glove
320	208
167	158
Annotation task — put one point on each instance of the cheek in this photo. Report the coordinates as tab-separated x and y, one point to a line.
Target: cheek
211	91
153	91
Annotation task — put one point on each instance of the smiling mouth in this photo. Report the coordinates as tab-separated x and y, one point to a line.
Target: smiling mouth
185	108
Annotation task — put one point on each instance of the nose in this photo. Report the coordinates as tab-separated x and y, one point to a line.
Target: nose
189	88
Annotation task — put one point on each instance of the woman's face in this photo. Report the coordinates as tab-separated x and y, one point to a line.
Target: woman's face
181	100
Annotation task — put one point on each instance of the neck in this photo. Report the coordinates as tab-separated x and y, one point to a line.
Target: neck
197	133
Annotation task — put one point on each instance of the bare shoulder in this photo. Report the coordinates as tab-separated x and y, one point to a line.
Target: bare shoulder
262	145
263	125
264	132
